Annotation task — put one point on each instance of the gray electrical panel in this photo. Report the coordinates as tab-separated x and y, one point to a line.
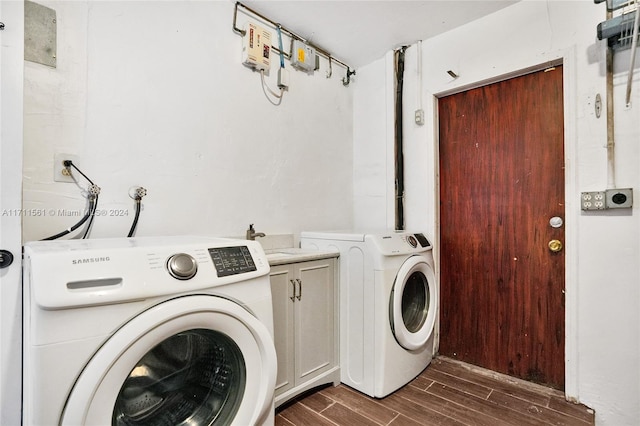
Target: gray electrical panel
303	57
40	34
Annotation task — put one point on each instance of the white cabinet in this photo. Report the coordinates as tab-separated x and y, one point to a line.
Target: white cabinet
305	326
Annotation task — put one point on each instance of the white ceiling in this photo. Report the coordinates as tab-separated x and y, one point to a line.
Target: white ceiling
358	32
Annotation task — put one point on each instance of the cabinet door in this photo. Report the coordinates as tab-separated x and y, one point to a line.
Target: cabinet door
282	282
314	331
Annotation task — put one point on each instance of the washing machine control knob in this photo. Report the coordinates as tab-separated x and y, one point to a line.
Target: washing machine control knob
182	266
412	241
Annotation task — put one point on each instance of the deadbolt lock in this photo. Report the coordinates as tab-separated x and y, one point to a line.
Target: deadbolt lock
6	258
555	245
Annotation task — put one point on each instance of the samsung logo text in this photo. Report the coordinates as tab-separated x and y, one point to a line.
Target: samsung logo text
90	260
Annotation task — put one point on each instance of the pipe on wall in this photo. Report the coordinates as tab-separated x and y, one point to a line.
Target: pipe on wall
345	81
399	58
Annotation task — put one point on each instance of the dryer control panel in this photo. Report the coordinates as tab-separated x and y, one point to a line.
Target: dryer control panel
418	239
395	243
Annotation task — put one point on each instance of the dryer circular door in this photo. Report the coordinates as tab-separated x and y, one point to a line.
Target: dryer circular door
413	302
196	360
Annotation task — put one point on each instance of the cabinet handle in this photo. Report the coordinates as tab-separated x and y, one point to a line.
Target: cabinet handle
299	288
293	284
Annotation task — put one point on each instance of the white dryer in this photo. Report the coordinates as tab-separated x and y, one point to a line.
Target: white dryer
388	306
147	331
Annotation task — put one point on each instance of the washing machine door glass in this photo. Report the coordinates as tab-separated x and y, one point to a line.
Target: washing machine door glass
196	377
412	305
415	301
192	360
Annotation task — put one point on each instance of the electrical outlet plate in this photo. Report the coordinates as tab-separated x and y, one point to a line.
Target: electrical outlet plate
59	171
619	198
594	200
608	199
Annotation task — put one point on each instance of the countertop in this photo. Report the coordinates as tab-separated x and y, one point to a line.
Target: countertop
284	256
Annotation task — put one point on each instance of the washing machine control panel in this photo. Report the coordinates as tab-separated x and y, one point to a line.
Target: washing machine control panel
113	270
226	261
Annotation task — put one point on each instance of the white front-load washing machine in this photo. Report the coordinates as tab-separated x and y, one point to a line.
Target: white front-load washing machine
148	331
388	306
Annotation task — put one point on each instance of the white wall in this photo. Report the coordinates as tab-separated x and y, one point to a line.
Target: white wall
372	172
154	94
603	248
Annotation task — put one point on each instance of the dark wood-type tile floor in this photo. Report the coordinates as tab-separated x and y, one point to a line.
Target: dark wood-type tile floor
446	393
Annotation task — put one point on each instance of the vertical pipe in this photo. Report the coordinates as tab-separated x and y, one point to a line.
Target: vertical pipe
420	74
634	44
611	170
399	155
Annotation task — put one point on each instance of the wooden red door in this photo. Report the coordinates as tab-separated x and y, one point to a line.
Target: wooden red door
501	182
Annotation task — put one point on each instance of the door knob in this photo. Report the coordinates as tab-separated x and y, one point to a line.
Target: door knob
6	259
555	245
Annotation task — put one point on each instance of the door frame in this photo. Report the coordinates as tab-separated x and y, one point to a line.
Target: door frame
11	118
566	58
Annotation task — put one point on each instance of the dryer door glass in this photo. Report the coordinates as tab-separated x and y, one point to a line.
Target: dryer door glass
196	377
415	302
